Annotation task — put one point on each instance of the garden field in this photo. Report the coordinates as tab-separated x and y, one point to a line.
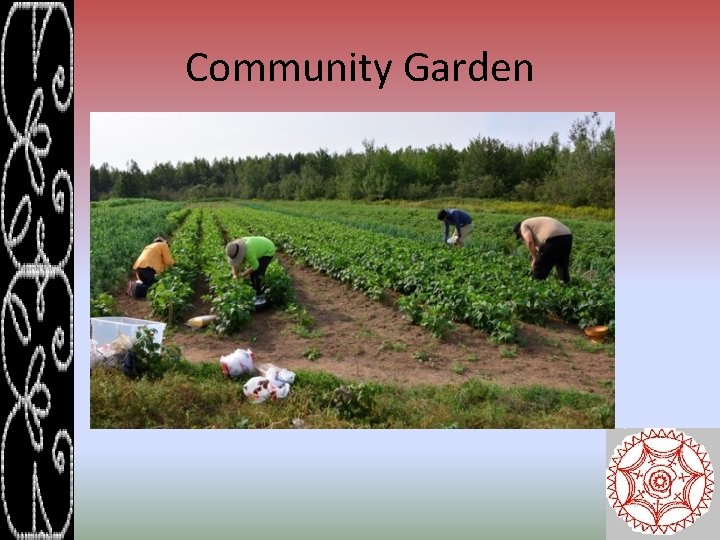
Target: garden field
384	324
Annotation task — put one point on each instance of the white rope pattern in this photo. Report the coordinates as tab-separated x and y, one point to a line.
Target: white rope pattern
39	271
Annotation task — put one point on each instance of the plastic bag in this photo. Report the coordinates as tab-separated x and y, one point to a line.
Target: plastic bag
121	345
273	372
280	375
259	389
237	363
111	354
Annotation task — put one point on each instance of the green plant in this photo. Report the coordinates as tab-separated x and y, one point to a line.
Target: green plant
304	320
508	351
278	285
550	342
353	401
587	345
458	368
102	305
152	360
312	353
305	332
398	346
232	302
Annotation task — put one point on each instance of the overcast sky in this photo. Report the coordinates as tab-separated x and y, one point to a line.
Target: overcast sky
151	138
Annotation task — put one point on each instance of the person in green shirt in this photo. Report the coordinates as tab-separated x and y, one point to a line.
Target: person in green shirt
255	252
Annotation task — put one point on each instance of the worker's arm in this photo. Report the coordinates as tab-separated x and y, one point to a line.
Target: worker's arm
167	257
530	243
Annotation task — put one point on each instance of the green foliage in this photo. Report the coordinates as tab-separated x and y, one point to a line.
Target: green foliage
190	395
458	368
376	249
353	401
170	296
278	285
102	305
231	299
312	353
153	360
232	302
119	229
579	173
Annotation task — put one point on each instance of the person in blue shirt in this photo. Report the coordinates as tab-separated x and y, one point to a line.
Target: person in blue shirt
461	221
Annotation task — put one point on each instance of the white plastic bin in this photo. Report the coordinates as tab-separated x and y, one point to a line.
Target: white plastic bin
104	330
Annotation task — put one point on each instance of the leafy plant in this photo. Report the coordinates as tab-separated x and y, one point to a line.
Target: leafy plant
353	401
312	353
278	285
102	305
458	368
151	359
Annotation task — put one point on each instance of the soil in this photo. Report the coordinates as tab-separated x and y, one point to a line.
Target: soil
365	340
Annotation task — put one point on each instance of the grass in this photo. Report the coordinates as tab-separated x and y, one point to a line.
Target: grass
458	368
198	396
304	322
397	346
508	351
312	353
550	342
586	345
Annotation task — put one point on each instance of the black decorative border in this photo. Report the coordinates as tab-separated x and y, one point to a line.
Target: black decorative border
36	318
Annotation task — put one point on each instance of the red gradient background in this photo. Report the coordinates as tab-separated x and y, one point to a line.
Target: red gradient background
655	67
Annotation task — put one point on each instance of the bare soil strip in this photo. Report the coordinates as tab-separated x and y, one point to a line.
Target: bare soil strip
360	339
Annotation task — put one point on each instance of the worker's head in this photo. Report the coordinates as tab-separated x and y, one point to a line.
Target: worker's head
160	239
235	251
442	215
516	230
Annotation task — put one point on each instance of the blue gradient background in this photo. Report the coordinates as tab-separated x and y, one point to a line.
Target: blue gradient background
655	71
341	484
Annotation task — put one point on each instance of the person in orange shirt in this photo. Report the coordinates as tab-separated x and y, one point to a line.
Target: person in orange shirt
153	260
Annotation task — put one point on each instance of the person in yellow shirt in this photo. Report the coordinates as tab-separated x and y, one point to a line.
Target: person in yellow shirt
153	260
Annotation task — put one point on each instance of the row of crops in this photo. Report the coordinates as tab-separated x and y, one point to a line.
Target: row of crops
487	284
119	229
198	247
377	250
594	240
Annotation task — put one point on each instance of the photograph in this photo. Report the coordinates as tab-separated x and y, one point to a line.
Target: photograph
352	270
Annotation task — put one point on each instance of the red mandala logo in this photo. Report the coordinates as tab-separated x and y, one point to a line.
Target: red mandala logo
659	481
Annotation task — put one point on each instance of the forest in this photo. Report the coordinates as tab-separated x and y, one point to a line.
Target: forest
577	172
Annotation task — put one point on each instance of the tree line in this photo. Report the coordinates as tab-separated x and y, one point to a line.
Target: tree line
578	173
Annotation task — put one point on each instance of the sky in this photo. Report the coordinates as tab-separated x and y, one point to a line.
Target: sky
152	138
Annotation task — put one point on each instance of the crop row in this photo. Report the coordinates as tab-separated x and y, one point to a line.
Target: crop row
489	290
170	297
594	241
118	232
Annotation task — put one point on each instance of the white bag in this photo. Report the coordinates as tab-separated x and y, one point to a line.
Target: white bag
286	376
237	363
259	389
273	372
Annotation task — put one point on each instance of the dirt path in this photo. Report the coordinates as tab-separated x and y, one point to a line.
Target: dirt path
358	338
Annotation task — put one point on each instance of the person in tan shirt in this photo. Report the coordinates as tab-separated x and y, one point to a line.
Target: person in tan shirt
549	243
153	260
